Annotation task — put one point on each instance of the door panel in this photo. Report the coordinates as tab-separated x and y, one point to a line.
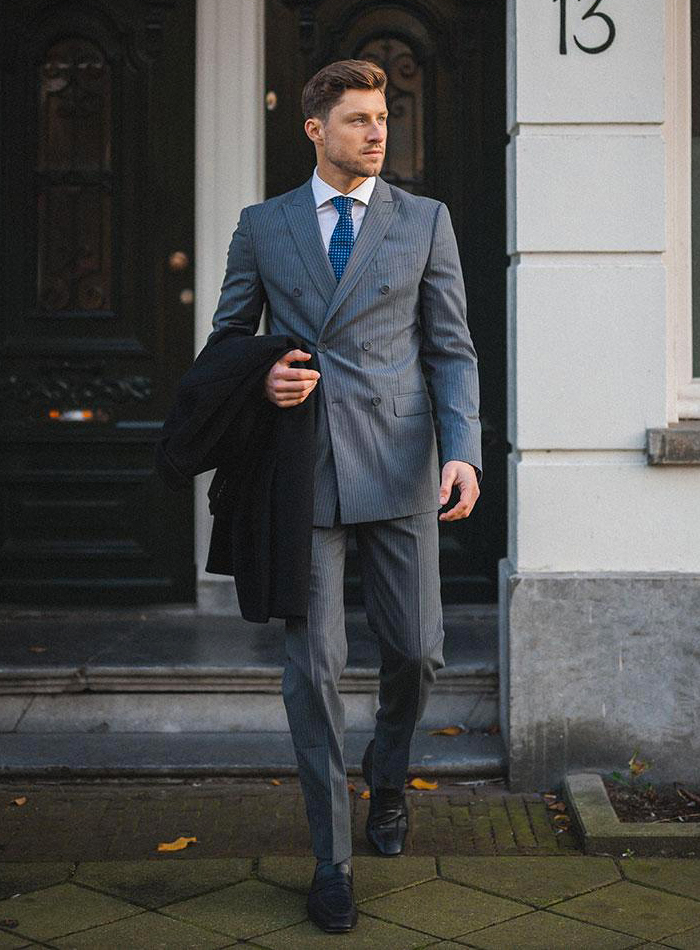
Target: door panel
446	95
97	193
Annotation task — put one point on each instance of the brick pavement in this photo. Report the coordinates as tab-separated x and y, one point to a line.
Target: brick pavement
484	869
246	818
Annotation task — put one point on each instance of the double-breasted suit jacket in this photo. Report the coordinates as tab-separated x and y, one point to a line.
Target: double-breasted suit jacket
397	316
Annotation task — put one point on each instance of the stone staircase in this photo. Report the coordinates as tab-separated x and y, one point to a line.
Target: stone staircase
181	691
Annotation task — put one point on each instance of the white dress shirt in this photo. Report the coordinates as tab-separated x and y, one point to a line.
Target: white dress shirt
328	216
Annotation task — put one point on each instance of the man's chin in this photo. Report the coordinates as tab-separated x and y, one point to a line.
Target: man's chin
373	166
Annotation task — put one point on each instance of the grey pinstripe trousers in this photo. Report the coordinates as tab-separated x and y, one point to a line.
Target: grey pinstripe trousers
401	590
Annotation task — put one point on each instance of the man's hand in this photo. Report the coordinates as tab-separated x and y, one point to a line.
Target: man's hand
463	475
286	385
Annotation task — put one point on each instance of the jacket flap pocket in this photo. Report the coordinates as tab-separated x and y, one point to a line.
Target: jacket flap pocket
411	404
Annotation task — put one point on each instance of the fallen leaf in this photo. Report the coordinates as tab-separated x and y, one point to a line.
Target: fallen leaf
364	794
562	818
275	781
448	731
557	806
351	788
20	801
493	730
422	784
38	649
177	845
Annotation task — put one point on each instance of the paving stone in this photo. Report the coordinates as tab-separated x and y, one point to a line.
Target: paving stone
678	875
63	909
374	876
155	882
9	941
520	822
146	931
544	931
545	834
243	910
31	876
535	880
633	909
289	872
370	934
443	909
689	940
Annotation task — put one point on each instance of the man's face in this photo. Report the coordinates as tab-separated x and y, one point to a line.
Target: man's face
354	136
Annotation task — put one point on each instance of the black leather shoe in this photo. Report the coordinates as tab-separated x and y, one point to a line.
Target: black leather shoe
330	904
387	822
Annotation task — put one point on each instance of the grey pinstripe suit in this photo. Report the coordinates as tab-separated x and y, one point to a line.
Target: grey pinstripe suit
397	314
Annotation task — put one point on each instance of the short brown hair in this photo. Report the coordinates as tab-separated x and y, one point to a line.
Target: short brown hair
325	88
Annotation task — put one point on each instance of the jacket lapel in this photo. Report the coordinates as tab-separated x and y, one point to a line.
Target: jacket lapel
303	221
380	210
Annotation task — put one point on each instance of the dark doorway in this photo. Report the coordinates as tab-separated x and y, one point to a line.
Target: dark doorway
447	100
96	251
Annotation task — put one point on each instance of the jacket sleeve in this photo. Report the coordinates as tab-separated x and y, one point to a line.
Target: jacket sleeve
242	294
447	351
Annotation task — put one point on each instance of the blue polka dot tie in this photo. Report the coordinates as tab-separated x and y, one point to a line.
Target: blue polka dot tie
343	236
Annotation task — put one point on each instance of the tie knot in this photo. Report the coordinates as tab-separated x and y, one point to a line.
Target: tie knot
342	204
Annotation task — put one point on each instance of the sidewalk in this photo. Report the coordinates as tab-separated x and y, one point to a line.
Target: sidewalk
483	868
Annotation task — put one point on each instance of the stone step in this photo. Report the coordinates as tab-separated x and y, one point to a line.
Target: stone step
170	671
238	707
49	650
80	755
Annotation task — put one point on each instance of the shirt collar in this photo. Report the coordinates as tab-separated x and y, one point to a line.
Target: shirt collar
324	192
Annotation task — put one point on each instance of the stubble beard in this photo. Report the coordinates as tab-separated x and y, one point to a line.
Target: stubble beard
356	166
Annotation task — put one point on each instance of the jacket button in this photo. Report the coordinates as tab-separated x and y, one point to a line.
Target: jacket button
297	291
322	347
376	400
367	344
385	288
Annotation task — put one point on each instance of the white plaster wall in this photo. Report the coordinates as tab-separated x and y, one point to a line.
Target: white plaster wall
622	84
590	342
589	334
229	129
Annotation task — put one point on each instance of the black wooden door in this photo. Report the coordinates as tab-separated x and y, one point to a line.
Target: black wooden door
445	60
96	276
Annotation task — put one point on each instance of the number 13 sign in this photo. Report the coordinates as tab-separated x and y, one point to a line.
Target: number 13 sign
592	11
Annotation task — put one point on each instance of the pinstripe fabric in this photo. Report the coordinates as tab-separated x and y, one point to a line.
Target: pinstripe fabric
398	311
397	314
401	587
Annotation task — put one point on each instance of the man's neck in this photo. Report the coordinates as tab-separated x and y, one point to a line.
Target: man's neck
337	179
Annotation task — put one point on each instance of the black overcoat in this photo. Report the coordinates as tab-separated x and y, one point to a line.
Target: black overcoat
261	495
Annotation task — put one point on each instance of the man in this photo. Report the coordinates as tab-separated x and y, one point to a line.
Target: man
368	277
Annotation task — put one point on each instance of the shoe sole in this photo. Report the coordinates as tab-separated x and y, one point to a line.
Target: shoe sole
330	929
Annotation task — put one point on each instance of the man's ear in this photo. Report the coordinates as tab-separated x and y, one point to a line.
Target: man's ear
314	129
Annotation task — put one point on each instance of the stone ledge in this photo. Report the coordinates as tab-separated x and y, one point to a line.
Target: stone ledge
675	444
602	832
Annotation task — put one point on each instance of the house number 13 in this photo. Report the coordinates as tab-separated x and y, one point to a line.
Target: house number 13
591	11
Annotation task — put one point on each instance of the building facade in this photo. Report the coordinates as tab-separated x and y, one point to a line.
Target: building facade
561	134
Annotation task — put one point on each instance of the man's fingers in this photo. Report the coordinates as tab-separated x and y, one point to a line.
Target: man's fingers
293	385
446	487
293	355
460	510
289	372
